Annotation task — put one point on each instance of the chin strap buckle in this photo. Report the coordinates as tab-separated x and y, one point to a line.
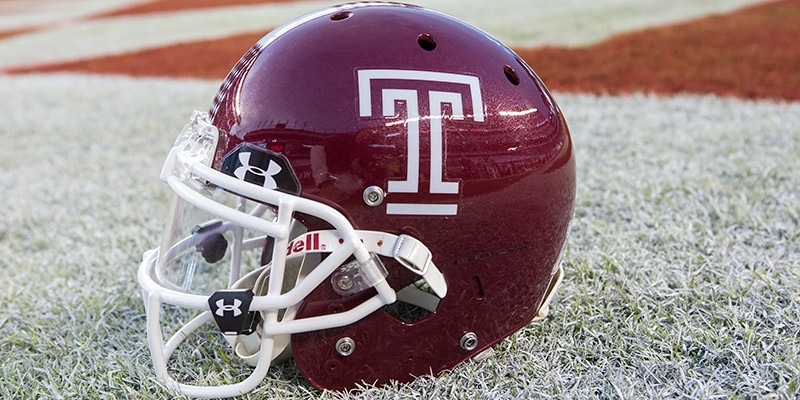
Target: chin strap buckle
415	256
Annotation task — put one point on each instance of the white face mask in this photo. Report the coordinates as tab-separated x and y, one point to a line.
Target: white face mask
235	250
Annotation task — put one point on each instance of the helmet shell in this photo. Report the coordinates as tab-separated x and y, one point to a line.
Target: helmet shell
364	95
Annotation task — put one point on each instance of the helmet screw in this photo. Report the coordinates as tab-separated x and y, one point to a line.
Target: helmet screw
345	283
469	341
373	196
345	346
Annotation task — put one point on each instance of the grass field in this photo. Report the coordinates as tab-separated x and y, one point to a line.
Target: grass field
682	269
681	272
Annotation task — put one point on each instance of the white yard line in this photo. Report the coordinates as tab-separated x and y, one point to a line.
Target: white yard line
19	14
85	39
516	22
533	23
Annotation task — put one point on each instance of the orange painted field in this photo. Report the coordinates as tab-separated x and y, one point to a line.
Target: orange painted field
750	53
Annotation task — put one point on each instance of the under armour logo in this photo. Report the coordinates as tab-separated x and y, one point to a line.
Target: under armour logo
261	167
231	310
268	175
222	308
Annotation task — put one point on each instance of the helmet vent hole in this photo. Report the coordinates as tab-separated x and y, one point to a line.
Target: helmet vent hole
426	42
341	16
511	75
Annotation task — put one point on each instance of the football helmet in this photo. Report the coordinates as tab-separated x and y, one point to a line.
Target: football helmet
378	190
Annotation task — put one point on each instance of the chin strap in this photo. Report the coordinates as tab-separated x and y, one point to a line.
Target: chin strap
347	280
353	277
555	282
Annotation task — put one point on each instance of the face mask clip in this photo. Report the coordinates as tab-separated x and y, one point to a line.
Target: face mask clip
355	277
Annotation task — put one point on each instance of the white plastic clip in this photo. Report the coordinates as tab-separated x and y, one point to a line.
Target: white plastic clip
412	254
415	256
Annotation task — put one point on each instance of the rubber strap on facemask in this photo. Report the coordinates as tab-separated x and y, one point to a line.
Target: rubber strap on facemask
555	282
248	347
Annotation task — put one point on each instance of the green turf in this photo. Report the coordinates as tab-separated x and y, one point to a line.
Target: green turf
682	270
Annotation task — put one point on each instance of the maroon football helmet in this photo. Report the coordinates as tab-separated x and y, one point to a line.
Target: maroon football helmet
379	190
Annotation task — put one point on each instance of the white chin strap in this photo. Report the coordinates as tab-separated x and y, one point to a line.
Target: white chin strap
347	280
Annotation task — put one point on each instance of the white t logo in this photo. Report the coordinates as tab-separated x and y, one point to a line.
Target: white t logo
411	97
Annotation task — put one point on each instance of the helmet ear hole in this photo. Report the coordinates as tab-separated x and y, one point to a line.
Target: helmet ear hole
406	312
414	302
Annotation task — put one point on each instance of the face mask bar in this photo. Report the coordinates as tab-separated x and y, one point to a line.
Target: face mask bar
187	174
